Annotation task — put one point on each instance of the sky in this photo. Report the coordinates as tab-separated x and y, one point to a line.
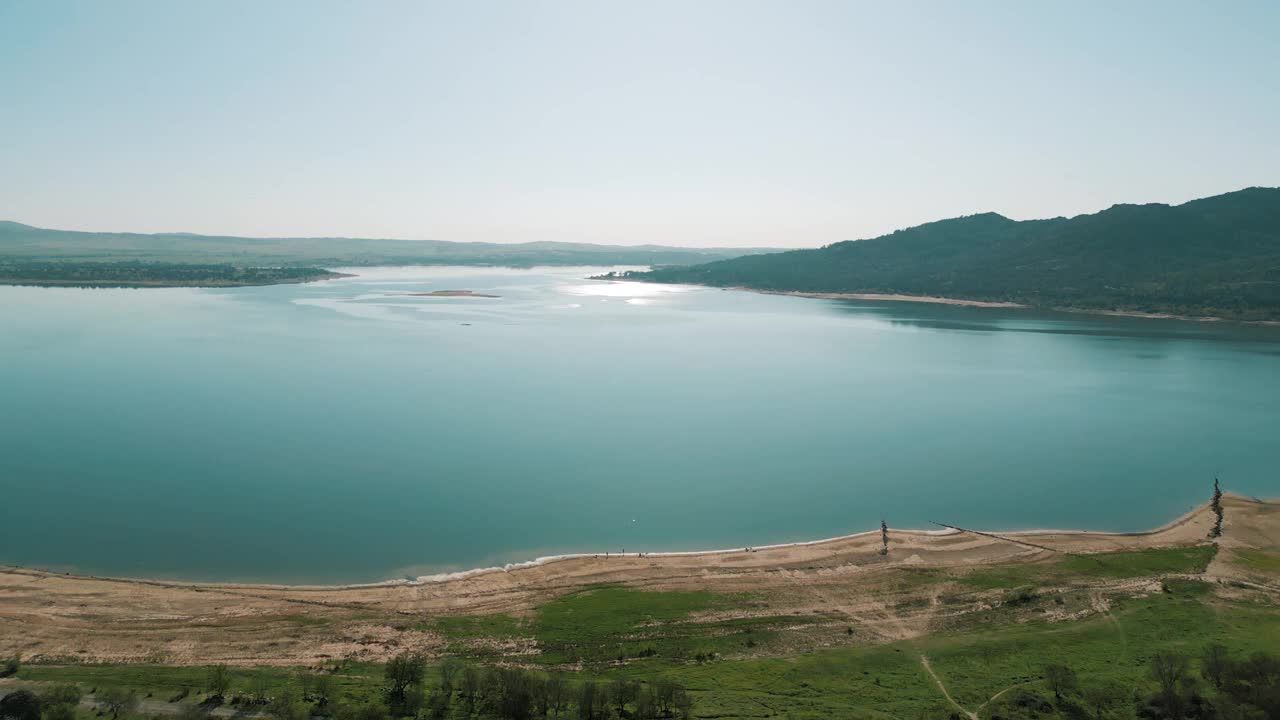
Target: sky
705	123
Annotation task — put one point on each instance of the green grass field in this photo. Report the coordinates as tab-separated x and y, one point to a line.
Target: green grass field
1070	569
1002	649
604	624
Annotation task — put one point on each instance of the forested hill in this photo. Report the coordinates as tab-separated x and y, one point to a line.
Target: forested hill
25	244
1216	256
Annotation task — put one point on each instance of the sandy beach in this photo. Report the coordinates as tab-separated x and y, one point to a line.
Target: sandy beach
893	297
932	299
56	617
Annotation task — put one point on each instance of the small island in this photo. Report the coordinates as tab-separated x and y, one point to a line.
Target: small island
450	293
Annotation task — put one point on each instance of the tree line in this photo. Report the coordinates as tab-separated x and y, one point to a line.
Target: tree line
462	690
1227	687
1216	685
99	274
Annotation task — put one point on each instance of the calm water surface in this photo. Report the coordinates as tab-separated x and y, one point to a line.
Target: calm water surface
344	431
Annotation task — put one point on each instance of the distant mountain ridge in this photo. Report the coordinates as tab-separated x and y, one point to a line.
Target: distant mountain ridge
21	243
1216	256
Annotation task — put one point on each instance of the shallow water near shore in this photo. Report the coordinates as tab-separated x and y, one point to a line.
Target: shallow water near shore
348	431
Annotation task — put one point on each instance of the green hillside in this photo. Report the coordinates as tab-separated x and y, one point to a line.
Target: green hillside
1216	256
23	243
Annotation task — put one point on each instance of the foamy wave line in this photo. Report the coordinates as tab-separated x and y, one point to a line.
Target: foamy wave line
546	559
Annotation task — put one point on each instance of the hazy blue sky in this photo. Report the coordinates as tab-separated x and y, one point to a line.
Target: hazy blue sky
708	123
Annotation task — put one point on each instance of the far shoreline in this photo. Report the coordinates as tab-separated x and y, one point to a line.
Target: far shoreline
962	302
108	284
891	297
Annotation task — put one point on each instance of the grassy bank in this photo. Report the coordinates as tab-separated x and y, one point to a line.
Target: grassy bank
992	632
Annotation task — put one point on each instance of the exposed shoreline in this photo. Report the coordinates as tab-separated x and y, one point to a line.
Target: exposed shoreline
892	297
545	561
961	302
846	581
1167	316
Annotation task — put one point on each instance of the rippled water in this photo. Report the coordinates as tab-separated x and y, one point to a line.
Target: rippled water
347	431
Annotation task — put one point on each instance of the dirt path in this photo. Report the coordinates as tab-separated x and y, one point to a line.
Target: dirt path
995	697
924	660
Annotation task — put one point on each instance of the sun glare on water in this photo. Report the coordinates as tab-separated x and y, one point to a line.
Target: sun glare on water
635	293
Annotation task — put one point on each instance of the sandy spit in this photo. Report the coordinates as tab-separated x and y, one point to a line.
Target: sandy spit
894	297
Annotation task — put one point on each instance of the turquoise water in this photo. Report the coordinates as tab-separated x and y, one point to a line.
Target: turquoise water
341	432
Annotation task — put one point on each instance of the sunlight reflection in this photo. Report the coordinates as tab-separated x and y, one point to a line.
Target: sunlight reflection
623	289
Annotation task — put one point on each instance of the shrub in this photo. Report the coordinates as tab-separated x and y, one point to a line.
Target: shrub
118	701
20	705
61	694
1020	596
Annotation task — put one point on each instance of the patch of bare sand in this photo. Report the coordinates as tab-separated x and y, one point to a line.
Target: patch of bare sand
893	297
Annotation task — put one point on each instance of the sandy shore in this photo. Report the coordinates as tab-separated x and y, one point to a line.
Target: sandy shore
55	617
1165	316
990	304
887	296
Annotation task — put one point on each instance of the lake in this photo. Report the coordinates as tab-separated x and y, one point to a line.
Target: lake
348	431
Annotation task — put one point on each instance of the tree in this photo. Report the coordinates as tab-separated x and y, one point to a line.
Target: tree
514	694
11	666
664	694
1060	679
1101	698
259	688
61	694
59	702
288	706
557	692
20	705
449	671
646	704
589	700
1169	669
469	687
415	697
321	689
884	538
118	701
402	671
683	703
1255	681
1215	661
541	703
622	693
218	681
59	712
437	706
1216	506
